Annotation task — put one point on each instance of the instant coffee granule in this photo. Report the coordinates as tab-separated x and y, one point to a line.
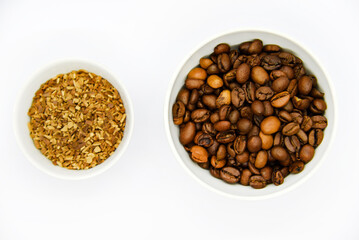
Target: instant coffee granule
77	119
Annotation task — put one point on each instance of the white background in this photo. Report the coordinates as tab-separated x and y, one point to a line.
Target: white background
147	195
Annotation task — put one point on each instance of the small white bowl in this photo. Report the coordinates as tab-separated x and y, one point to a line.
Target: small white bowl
234	38
24	102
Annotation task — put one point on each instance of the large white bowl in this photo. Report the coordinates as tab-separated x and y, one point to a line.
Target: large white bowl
234	38
24	102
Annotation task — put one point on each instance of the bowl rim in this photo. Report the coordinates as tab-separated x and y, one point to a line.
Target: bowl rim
167	122
17	131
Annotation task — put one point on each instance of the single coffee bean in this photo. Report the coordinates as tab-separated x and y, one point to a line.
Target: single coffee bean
270	125
287	59
205	63
224	98
214	117
293	87
229	76
318	106
252	168
226	136
271	48
221	152
259	75
240	144
261	159
280	84
266	173
215	172
212	150
250	91
178	111
212	69
267	140
254	144
291	129
319	122
222	126
246	174
222	48
279	153
264	93
277	177
296	167
243	157
257	108
280	99
244	125
254	131
285	116
284	171
306	153
305	85
288	71
187	133
197	73
200	115
233	55
243	72
186	117
316	93
271	62
255	47
246	112
230	149
205	140
215	81
183	96
292	143
209	101
208	127
218	163
276	74
223	62
193	83
224	112
234	116
238	97
230	174
278	139
299	71
315	137
300	103
306	124
199	154
193	97
268	109
297	117
257	182
302	136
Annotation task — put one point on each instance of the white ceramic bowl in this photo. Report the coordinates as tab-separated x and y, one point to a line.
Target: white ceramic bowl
24	102
233	38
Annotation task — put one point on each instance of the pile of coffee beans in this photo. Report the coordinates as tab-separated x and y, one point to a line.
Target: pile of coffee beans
250	114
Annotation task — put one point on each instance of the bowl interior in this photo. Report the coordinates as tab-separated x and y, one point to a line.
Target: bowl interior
25	100
237	190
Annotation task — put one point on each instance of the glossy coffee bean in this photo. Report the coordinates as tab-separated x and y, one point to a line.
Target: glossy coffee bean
199	154
279	153
183	96
230	174
222	126
290	129
306	153
259	75
226	136
271	48
246	174
261	159
305	85
244	125
270	125
315	137
318	106
267	140
243	73
280	99
197	73
187	133
224	98
218	163
200	115
254	144
280	84
222	48
257	182
205	63
214	81
285	116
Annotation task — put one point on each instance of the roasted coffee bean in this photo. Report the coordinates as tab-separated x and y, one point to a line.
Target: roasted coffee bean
244	125
230	174
259	75
238	97
305	85
205	63
291	129
250	91
270	125
226	136
199	154
257	182
200	115
280	99
222	126
296	167
268	109
243	73
187	133
215	172
254	143
315	137
319	122
218	163
318	106
255	112
306	124
240	144
277	177
285	116
306	153
271	62
280	84
279	153
234	116
264	93
271	48
267	140
246	174
214	81
224	98
223	62
292	143
222	48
